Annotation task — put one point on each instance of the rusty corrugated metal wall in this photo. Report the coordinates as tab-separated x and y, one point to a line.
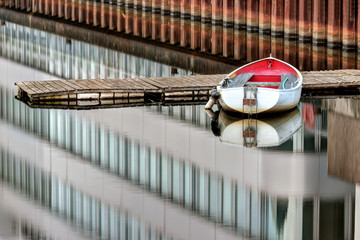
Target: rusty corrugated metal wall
218	27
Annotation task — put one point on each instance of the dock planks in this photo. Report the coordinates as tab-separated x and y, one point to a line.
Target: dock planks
163	89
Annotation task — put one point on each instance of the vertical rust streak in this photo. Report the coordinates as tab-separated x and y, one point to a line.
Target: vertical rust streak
228	31
349	27
61	5
305	24
67	8
96	13
104	19
240	45
252	47
334	23
291	19
265	16
89	11
319	22
252	13
290	51
264	45
120	16
216	29
195	37
277	18
185	23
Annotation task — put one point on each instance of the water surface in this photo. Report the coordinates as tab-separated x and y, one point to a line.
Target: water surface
164	172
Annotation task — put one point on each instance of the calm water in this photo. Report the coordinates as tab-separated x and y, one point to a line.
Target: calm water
165	172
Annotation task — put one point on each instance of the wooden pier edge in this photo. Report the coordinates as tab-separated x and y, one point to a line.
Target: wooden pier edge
175	89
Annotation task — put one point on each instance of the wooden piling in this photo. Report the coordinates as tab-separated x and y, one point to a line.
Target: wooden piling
155	25
146	24
334	24
277	18
61	8
129	17
305	25
265	16
319	58
349	60
205	42
54	8
185	34
195	35
240	18
112	15
156	19
290	51
252	46
305	56
74	10
81	11
120	16
104	14
252	14
205	11
319	22
47	10
174	30
291	19
277	47
264	45
165	28
88	13
96	13
240	42
333	58
67	9
185	23
32	6
228	28
137	23
349	27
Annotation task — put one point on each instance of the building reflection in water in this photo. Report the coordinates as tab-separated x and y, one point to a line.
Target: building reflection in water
153	172
242	191
68	58
73	59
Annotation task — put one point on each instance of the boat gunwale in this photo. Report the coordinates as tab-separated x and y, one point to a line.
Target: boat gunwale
299	85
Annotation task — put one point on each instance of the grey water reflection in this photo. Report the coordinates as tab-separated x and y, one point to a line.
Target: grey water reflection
124	173
156	172
70	59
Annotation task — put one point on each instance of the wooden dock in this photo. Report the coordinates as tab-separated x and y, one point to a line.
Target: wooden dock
177	89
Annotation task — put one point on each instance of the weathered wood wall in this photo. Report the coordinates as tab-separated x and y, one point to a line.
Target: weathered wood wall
216	26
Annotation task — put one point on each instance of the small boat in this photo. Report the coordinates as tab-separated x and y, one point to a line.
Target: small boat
266	85
268	131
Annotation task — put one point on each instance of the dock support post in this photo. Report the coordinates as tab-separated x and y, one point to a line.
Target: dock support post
349	27
291	19
334	24
305	9
319	22
216	29
228	28
265	16
252	15
205	41
277	18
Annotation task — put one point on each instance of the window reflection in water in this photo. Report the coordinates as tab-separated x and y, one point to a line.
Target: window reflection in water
245	210
75	60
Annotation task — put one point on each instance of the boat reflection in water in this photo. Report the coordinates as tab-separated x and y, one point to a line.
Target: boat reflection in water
267	131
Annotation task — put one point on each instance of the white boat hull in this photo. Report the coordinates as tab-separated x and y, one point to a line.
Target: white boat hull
266	100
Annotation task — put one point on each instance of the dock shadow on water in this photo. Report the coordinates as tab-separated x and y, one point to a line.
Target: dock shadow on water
159	172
